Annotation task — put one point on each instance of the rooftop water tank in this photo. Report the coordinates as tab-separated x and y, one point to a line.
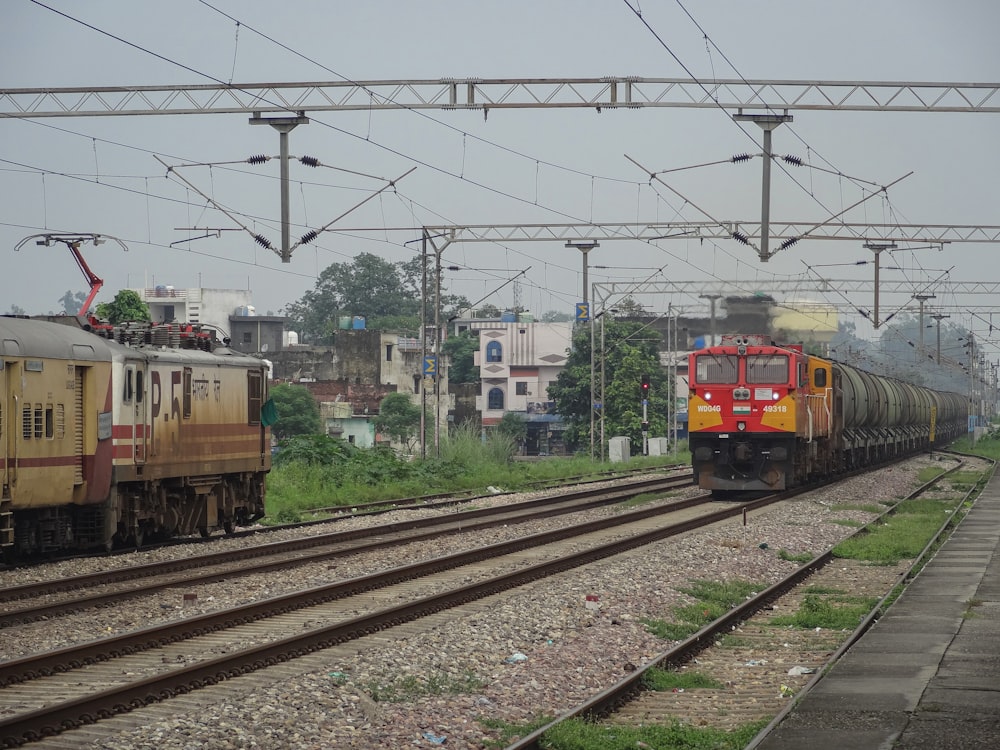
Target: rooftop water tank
359	323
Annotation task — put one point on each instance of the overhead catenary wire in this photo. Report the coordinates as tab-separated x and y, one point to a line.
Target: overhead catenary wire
355	136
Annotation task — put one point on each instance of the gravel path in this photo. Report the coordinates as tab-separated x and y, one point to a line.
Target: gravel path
541	650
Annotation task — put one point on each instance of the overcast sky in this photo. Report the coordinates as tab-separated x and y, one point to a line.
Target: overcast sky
101	174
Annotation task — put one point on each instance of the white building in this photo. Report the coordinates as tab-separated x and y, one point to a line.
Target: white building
211	307
517	363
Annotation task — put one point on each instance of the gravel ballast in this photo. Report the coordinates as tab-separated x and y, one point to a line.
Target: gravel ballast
541	649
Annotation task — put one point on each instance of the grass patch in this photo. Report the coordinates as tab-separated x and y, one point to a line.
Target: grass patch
411	688
664	680
830	612
734	641
964	481
902	536
317	472
509	732
784	554
928	473
970	606
580	735
712	600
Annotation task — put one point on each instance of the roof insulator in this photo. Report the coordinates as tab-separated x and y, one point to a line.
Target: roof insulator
258	159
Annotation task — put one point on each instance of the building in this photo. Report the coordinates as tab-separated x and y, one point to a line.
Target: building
350	378
517	362
227	311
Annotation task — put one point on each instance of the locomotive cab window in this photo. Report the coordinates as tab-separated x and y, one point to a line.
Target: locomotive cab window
716	369
819	378
767	368
255	397
133	386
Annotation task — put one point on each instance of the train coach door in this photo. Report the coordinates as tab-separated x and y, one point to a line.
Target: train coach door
137	409
10	381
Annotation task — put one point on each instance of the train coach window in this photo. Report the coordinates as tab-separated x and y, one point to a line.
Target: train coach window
187	393
129	384
50	422
39	422
139	386
255	397
26	430
716	368
767	368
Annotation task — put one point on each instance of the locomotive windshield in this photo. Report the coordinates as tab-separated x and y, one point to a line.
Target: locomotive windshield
767	368
716	368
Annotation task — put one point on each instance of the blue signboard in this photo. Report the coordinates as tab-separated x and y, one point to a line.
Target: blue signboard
582	312
430	366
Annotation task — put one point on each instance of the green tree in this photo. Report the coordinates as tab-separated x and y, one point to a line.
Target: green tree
630	352
630	307
17	310
556	316
513	426
298	412
126	306
72	301
399	418
452	305
370	287
314	449
461	351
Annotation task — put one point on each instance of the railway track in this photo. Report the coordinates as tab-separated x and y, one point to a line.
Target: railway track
74	593
756	662
355	630
334	513
52	692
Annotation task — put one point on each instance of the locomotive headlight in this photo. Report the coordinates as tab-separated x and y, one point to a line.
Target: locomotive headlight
741	426
707	396
775	396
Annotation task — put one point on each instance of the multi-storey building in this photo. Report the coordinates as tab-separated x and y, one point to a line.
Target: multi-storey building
517	362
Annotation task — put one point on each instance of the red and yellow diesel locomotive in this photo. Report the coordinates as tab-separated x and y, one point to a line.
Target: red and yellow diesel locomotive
764	417
113	435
